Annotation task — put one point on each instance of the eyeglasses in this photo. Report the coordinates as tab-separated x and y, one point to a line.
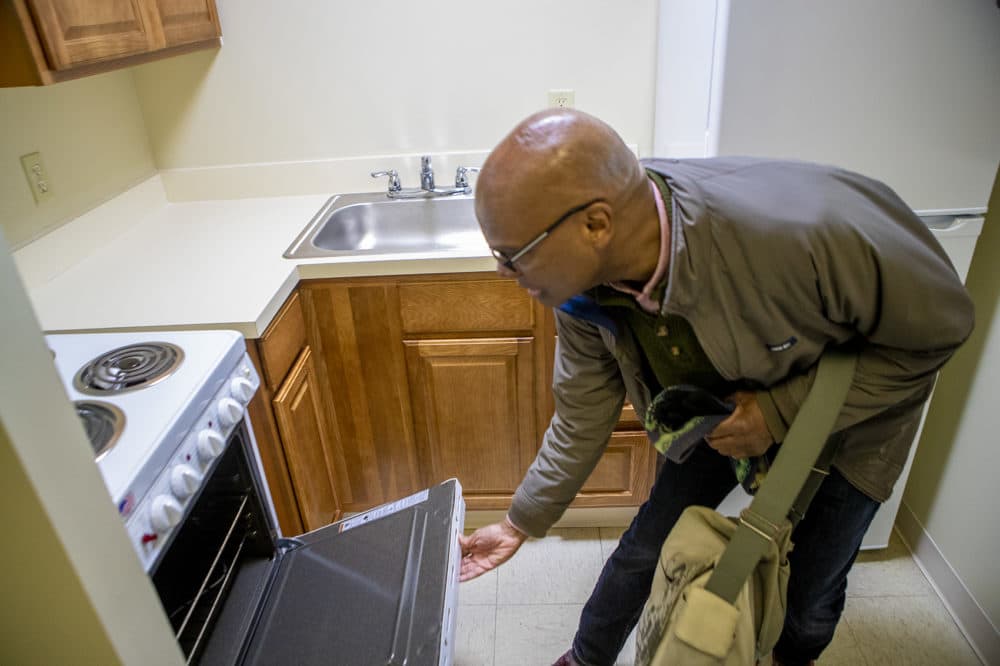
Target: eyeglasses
508	260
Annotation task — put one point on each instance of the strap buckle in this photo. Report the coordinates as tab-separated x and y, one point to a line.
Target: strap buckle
760	525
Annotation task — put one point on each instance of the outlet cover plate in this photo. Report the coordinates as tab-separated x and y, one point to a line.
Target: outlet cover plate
38	177
563	98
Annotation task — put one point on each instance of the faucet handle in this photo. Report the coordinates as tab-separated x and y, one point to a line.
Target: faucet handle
462	175
394	184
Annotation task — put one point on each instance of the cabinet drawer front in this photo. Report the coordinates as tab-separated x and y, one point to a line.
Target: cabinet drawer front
282	341
479	305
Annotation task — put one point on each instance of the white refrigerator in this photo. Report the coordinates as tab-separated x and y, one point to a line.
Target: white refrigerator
903	92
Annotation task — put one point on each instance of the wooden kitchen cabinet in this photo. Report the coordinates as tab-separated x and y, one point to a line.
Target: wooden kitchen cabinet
624	475
300	413
380	387
292	424
47	41
473	410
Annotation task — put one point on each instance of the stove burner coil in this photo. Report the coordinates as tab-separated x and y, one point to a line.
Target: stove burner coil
103	423
128	368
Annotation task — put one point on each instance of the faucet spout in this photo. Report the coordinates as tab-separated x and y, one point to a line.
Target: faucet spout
426	174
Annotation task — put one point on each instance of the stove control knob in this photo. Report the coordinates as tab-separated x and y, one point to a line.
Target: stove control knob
184	480
165	513
210	445
241	389
230	412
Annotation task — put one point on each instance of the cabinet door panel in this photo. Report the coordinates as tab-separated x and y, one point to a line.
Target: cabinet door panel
76	31
186	21
298	409
357	328
624	475
474	407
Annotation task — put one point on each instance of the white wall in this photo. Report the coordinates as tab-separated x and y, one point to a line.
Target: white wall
315	80
954	476
92	138
906	91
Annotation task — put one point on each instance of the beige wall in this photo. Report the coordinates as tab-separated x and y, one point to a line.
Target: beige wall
953	482
93	143
319	80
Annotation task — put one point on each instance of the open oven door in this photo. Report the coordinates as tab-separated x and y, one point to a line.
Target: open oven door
377	588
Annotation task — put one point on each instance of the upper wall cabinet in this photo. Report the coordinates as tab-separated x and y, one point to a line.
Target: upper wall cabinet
47	41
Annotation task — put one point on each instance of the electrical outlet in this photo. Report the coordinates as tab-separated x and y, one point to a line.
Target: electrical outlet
562	98
38	178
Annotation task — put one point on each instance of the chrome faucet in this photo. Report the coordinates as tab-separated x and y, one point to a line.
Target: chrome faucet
427	188
426	173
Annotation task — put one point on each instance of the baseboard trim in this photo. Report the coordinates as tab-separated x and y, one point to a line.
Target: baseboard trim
613	517
968	614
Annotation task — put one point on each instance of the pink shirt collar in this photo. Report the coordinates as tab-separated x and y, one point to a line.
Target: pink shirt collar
645	297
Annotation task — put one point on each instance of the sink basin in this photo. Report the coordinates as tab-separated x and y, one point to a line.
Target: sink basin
351	224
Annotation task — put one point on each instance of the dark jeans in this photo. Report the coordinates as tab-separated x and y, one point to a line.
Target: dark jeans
826	543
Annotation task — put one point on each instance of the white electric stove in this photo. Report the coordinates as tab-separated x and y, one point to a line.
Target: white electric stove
165	415
158	408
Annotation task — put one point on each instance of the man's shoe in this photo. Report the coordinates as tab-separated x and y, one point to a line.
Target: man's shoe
566	660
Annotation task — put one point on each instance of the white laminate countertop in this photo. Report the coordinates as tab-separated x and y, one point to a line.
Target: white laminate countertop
195	265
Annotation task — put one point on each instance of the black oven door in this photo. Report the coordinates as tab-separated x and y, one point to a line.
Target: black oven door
377	588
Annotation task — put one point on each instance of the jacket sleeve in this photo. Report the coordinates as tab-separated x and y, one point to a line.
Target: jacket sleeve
589	394
909	313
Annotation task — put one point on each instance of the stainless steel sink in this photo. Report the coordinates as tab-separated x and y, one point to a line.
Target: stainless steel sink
371	223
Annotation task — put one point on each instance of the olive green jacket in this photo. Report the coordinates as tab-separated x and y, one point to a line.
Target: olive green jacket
771	262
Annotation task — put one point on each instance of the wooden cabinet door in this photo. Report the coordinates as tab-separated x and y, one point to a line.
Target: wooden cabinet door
474	406
298	409
624	475
75	32
187	21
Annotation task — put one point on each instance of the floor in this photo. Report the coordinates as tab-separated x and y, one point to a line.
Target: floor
525	612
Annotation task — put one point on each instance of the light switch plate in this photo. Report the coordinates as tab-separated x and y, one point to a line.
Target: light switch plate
38	177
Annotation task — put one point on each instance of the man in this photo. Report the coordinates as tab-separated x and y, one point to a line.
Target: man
732	274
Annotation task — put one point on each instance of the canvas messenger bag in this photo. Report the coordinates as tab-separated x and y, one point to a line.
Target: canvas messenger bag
718	594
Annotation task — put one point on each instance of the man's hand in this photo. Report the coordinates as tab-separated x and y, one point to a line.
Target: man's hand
488	547
744	434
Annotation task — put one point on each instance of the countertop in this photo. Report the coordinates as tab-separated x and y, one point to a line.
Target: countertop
145	263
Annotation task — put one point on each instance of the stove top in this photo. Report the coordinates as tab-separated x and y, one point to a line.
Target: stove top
130	368
103	423
140	393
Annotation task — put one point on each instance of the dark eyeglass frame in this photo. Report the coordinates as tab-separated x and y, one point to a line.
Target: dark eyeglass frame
508	261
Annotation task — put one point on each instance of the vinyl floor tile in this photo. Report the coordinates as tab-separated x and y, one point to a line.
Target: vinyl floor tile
479	591
475	636
843	650
907	631
534	635
559	569
887	572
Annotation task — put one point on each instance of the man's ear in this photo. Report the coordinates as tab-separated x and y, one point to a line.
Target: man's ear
598	226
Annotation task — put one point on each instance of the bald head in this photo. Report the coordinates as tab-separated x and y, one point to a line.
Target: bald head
566	155
564	195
